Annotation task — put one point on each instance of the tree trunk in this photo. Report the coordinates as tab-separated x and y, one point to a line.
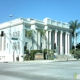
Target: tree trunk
75	40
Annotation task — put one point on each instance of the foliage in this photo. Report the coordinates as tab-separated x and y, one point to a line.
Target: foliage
74	25
31	55
49	53
76	53
43	32
28	33
71	51
78	46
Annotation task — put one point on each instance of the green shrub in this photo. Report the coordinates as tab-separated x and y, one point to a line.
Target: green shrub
76	53
49	53
31	55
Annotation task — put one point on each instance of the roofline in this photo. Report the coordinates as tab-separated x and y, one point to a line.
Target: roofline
19	21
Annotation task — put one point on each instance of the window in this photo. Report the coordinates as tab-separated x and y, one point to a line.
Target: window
14	46
16	34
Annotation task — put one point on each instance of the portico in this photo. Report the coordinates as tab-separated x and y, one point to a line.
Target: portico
61	39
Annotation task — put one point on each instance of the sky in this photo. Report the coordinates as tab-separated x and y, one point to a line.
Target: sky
60	10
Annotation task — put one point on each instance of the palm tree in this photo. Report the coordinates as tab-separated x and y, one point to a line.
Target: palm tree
74	25
29	34
43	33
77	34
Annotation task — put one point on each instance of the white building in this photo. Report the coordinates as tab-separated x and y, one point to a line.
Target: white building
13	39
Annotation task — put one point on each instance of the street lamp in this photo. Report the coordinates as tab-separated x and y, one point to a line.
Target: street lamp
17	38
14	46
11	15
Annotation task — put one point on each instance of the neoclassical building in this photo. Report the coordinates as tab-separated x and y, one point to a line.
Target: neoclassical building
13	39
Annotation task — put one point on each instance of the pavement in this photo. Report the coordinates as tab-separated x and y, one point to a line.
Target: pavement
40	70
55	60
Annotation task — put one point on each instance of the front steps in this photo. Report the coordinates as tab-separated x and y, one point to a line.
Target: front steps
63	57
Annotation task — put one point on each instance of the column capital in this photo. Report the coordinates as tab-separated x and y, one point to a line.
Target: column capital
56	30
67	33
50	30
45	27
61	31
33	26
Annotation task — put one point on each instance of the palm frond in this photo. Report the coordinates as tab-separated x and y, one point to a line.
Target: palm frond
29	33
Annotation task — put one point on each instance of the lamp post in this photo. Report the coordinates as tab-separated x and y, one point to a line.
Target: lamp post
10	39
14	46
18	38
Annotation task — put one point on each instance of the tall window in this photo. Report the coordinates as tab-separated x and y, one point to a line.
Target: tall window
14	46
14	34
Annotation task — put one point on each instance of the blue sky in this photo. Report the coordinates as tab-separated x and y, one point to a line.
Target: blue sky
60	10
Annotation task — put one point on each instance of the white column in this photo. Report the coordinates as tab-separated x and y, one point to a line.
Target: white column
61	51
68	43
55	41
38	40
56	37
65	43
47	39
50	40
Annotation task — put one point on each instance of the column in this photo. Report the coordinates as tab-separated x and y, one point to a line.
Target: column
50	40
68	43
65	43
61	51
55	42
38	40
56	37
47	39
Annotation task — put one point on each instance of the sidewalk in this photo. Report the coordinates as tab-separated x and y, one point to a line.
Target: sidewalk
55	60
44	61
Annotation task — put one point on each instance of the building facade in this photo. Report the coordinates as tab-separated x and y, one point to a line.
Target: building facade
13	37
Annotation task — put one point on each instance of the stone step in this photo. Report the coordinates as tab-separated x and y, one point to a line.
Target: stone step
63	57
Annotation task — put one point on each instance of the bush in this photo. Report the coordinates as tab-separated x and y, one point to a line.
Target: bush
49	55
31	55
76	53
